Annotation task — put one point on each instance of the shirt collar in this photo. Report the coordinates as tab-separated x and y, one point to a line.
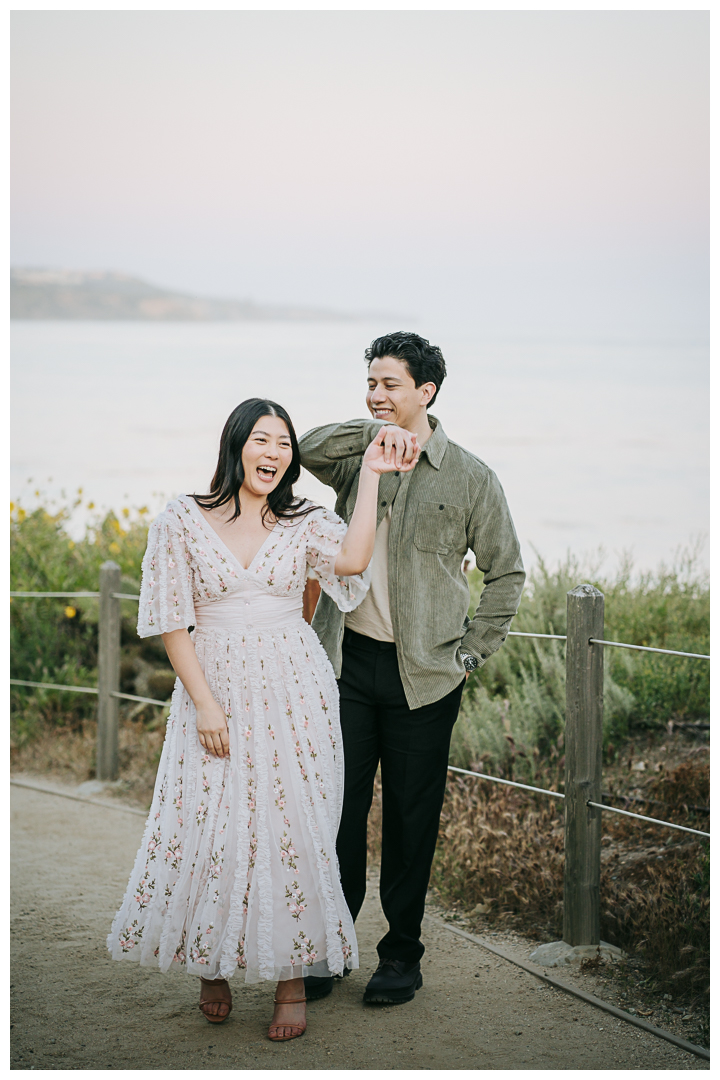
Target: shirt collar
434	449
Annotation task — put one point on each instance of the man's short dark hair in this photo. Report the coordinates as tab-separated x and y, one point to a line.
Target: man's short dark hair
424	361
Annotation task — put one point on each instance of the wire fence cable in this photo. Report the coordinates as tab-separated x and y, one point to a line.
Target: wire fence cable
560	795
57	595
652	820
648	648
54	686
510	783
89	690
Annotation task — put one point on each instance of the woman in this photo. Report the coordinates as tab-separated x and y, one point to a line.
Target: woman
237	866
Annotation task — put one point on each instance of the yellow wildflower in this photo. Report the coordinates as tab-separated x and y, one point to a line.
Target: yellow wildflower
71	544
125	512
114	547
12	507
91	506
70	612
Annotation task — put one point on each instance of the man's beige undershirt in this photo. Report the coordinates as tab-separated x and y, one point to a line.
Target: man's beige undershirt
372	616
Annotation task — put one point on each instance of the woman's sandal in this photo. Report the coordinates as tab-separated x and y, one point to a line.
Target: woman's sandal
296	1030
214	1018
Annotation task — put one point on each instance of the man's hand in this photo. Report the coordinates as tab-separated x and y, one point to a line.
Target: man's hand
403	442
392	450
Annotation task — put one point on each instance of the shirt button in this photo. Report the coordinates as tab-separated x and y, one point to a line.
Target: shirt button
442	506
483	656
383	503
397	473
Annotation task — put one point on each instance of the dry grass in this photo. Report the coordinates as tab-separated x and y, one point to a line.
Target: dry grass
500	857
67	756
501	851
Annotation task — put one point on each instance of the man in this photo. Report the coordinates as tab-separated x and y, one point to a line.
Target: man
402	657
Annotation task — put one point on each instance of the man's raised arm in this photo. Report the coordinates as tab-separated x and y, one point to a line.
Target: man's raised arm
330	452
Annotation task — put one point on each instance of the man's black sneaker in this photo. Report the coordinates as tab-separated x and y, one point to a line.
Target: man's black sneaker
393	983
319	987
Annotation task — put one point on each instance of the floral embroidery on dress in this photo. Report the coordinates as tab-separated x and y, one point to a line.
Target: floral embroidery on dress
130	936
144	892
200	950
287	851
305	949
240	954
346	947
296	898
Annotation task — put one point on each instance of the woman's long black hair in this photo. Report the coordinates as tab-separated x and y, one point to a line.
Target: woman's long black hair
229	473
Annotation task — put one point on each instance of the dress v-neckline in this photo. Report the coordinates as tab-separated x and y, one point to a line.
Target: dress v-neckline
233	556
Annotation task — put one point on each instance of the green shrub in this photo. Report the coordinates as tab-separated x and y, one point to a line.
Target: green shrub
513	713
55	640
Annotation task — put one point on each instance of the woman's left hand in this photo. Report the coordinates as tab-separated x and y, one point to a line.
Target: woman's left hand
381	458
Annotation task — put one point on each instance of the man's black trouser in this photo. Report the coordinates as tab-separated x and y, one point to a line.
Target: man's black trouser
412	746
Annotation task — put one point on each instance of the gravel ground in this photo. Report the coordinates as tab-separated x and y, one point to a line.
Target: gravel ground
74	1008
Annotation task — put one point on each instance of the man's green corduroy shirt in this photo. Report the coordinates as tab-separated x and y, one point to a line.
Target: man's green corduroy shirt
450	502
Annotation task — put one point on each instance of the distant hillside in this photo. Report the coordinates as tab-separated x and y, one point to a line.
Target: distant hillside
69	294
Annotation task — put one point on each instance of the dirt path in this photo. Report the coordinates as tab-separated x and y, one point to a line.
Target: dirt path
74	1008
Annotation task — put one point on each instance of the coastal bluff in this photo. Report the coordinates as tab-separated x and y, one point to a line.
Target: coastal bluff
39	293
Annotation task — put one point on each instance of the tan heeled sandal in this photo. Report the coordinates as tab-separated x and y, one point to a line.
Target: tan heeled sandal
215	1001
296	1030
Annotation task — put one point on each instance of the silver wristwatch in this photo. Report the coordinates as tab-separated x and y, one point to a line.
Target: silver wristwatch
469	661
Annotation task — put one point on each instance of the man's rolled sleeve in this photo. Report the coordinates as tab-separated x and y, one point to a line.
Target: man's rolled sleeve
493	540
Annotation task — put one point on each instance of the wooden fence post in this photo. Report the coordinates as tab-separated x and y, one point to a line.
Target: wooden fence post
108	672
583	765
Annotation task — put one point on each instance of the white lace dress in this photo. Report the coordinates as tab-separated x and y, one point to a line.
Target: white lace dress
237	866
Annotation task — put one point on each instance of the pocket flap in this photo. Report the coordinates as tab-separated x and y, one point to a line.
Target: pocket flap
439	527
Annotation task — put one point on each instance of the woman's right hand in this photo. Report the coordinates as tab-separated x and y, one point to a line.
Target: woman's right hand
399	446
392	450
212	728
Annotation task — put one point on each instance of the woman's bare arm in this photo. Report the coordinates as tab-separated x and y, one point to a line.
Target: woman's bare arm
356	551
212	725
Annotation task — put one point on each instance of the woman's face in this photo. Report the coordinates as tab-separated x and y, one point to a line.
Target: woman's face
266	455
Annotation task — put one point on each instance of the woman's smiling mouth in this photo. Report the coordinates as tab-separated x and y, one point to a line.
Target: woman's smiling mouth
266	472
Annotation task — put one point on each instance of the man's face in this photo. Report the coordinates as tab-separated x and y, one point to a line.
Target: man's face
392	396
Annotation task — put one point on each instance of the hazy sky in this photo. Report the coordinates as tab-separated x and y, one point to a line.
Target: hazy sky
518	172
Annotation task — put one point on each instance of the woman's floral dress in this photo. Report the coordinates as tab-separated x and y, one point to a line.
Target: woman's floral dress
237	866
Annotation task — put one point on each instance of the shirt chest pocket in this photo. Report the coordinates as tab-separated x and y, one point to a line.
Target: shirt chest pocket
439	528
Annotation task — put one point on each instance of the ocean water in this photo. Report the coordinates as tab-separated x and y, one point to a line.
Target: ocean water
597	444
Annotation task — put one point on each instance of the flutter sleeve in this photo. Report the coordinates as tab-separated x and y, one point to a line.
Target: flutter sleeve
325	535
166	601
